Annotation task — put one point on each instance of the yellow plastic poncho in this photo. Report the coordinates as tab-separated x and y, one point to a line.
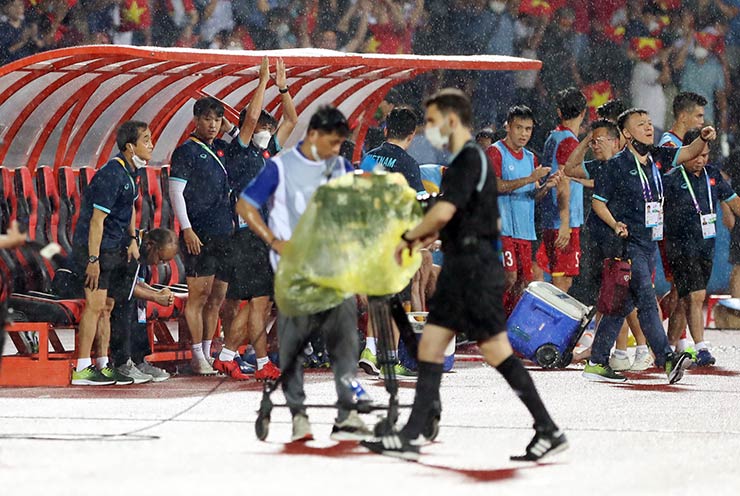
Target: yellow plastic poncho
344	244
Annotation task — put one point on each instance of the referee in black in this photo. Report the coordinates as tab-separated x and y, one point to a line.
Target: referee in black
469	295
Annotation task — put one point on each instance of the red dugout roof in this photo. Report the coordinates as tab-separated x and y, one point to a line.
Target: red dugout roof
62	107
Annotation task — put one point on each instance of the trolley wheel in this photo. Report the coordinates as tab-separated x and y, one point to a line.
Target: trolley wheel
432	429
547	356
262	427
384	427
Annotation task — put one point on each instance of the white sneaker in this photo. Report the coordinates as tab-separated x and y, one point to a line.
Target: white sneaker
201	366
131	371
301	428
158	375
643	361
619	364
351	429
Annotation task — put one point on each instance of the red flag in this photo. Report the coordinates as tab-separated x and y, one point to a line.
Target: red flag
646	48
536	8
615	33
135	15
710	41
597	94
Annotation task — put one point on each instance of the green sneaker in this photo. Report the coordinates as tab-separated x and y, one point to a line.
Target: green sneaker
114	375
402	373
604	373
90	376
691	351
369	362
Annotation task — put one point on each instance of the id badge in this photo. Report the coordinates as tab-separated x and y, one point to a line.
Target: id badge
709	226
242	222
658	232
653	214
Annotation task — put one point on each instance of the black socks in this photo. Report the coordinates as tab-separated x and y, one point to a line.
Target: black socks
426	399
521	382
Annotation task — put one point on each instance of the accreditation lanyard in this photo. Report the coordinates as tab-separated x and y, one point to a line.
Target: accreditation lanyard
708	221
130	177
653	209
208	149
647	192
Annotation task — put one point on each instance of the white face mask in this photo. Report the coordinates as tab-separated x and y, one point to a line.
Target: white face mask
261	139
700	53
434	135
653	26
315	154
497	7
138	161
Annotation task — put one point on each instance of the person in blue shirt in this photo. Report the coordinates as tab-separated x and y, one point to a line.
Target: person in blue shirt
199	192
287	183
688	113
629	199
105	240
391	156
693	193
250	275
400	127
598	242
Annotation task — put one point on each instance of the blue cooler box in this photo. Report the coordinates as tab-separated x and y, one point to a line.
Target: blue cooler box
546	324
418	319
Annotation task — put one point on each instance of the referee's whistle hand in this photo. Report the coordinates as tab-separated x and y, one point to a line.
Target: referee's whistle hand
192	241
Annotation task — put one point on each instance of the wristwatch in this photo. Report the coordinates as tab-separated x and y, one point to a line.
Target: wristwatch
284	90
92	259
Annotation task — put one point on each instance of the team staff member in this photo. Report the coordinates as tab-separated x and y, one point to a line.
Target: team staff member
562	209
199	192
400	129
629	199
250	274
104	243
470	287
688	113
693	193
129	342
599	242
287	183
517	174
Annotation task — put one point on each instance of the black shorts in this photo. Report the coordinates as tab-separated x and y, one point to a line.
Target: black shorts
250	273
690	274
469	294
212	260
114	267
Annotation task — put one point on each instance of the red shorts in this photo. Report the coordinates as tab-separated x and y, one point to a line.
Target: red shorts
517	257
558	262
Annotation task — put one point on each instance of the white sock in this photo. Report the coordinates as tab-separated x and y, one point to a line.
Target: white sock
261	362
226	355
371	345
682	344
641	349
197	350
101	362
206	347
83	363
673	348
701	346
620	354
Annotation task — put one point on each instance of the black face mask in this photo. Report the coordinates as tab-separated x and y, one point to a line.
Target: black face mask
642	148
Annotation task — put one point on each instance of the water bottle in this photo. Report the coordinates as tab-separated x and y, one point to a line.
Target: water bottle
358	392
